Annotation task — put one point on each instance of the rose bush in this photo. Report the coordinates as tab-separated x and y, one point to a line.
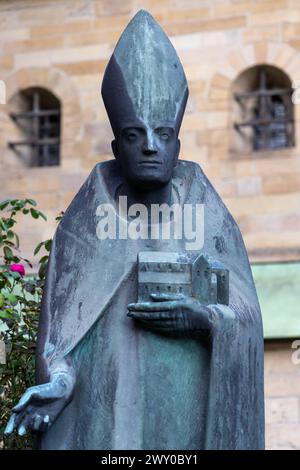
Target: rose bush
20	299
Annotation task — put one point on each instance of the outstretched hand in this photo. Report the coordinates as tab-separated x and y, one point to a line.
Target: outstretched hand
173	313
40	405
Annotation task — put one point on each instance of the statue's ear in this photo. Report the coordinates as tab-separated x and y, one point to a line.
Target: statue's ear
114	148
177	152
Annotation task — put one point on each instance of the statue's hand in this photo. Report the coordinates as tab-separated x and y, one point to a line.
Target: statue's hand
40	405
176	313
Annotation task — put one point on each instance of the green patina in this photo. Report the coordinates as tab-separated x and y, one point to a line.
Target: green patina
278	291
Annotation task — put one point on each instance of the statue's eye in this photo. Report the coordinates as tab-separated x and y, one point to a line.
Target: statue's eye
131	136
164	134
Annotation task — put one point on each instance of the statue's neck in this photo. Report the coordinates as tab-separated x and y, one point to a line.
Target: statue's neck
161	195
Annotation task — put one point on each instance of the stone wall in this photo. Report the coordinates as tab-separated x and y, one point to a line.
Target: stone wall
282	396
64	46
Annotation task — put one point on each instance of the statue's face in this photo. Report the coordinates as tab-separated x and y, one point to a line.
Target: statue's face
147	154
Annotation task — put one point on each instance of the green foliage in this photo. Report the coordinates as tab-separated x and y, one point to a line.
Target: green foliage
20	299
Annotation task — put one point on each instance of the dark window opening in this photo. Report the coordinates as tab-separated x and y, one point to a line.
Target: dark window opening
266	110
39	121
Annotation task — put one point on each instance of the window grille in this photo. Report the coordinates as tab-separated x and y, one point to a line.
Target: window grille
40	125
271	115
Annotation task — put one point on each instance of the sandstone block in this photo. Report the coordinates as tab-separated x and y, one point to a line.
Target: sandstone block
58	28
283	203
109	8
278	184
260	52
282	410
212	25
249	186
290	31
283	437
261	33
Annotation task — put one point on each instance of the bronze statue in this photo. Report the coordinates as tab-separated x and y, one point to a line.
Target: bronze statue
146	342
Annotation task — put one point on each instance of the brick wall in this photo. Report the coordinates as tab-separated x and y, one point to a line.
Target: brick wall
64	46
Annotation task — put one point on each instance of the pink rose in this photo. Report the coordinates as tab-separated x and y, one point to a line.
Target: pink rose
17	268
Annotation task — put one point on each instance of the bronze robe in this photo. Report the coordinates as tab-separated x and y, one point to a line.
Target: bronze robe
136	389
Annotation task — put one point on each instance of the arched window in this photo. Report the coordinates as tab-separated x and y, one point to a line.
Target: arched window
263	109
37	114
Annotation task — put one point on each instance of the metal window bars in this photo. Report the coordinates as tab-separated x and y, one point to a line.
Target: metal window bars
272	120
42	130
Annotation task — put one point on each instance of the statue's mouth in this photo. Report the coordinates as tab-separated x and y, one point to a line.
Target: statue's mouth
150	162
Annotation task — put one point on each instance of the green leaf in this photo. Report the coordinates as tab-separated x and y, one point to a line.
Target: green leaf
48	245
44	259
17	240
25	211
4	204
5	314
31	201
10	234
37	248
8	252
11	298
15	275
42	270
4	225
8	243
34	213
10	223
42	215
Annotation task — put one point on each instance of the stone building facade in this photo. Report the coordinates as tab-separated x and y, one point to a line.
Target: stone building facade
63	47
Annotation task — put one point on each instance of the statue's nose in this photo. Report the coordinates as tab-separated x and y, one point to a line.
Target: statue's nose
149	147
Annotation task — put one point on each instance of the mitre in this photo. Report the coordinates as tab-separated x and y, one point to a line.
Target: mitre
144	79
